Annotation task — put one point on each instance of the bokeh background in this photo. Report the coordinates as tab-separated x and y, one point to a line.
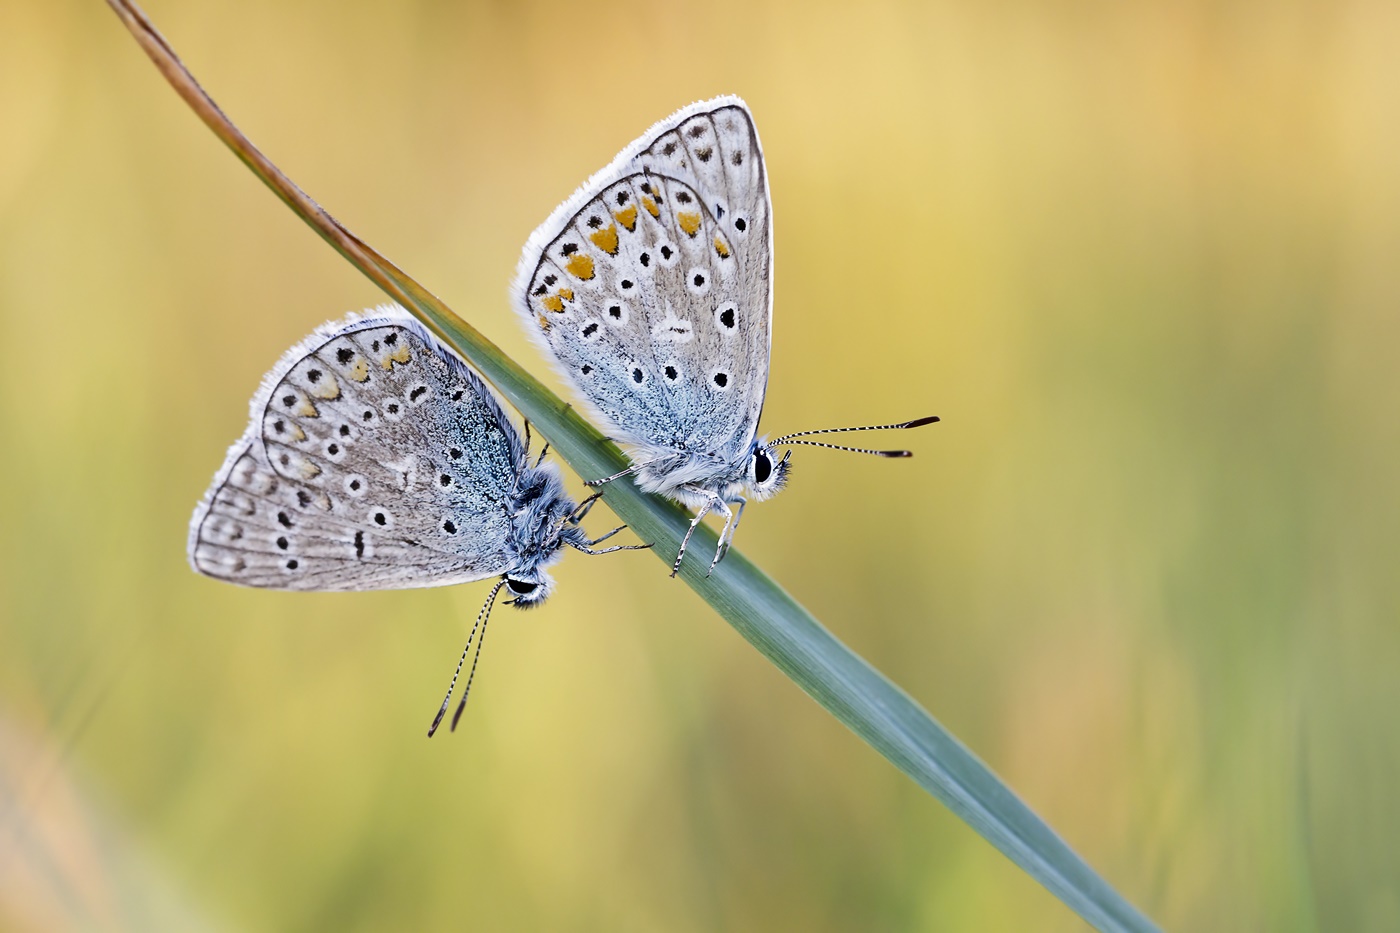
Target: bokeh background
1143	258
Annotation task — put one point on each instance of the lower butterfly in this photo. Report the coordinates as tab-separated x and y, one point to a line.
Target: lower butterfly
376	459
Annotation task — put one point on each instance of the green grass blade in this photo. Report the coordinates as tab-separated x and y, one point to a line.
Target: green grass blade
772	621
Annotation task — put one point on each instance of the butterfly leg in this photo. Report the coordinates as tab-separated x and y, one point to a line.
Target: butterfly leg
577	517
543	451
583	509
727	540
601	538
594	483
616	547
710	503
727	533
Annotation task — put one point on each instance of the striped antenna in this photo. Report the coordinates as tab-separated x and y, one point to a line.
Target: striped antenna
787	439
482	618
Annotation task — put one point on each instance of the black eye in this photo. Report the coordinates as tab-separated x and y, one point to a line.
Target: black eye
762	467
520	587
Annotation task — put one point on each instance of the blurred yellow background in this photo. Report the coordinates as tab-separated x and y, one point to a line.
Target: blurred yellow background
1143	258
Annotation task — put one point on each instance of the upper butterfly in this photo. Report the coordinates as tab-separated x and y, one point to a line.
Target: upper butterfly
375	459
652	290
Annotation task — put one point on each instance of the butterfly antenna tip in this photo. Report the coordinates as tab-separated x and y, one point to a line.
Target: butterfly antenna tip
437	720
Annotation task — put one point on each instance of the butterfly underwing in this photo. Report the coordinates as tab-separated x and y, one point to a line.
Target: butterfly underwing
374	458
651	290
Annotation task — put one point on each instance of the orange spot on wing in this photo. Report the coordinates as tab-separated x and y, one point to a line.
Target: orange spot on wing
721	249
651	207
360	371
606	240
400	355
567	294
328	388
544	322
580	266
628	217
553	303
689	222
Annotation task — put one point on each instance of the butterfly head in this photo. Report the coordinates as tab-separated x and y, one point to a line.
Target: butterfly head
540	527
529	588
767	472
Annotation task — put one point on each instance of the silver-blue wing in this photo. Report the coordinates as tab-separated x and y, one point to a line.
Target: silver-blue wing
651	286
374	459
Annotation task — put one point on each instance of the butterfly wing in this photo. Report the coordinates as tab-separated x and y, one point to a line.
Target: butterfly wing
651	286
374	459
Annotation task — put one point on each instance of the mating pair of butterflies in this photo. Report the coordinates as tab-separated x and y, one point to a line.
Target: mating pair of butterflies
376	459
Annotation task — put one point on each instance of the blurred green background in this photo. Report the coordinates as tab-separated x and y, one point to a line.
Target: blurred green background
1143	258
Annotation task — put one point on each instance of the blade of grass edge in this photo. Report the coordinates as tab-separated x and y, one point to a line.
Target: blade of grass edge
862	698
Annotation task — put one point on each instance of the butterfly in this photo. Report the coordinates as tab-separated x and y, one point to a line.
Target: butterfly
376	459
651	290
